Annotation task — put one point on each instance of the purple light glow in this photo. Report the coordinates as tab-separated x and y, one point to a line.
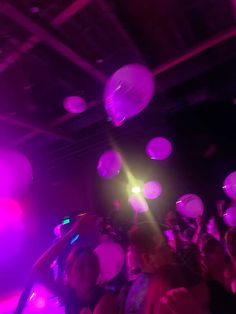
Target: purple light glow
15	173
40	303
43	301
229	186
152	190
11	229
75	104
109	164
10	213
37	300
8	303
57	231
128	92
138	203
190	205
230	216
159	148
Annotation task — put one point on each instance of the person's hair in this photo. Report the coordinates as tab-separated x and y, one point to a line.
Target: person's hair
221	226
231	233
76	252
209	245
143	237
188	233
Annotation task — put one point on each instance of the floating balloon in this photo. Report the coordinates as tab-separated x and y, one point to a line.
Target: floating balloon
230	185
159	148
111	258
138	203
190	205
230	216
15	173
109	164
152	190
75	104
128	92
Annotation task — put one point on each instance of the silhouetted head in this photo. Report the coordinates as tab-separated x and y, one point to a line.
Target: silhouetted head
150	247
82	271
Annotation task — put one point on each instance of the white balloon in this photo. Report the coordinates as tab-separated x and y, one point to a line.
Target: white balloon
152	190
159	148
230	216
75	104
111	258
109	164
138	203
190	205
128	92
229	186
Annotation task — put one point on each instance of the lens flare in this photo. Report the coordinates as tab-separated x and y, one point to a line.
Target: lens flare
136	189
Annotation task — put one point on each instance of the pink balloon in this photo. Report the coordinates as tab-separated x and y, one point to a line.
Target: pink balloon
159	148
128	92
190	205
230	216
152	190
109	164
229	186
75	104
138	203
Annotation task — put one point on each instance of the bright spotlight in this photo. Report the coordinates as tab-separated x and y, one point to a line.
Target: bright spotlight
136	189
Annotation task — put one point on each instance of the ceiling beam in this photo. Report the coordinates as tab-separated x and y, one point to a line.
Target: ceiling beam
195	51
70	11
36	129
35	132
44	35
25	47
33	40
106	8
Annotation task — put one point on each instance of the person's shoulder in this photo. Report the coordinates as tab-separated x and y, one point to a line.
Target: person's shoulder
107	304
168	277
168	271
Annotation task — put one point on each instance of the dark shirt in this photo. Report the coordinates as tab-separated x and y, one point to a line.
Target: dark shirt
222	301
73	305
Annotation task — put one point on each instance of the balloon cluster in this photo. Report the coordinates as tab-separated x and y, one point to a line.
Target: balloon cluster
128	91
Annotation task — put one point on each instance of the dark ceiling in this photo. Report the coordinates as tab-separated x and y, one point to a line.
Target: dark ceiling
53	49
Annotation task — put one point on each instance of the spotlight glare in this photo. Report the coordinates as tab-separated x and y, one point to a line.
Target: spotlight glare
136	189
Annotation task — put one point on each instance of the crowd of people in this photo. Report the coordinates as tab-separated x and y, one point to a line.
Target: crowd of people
181	266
